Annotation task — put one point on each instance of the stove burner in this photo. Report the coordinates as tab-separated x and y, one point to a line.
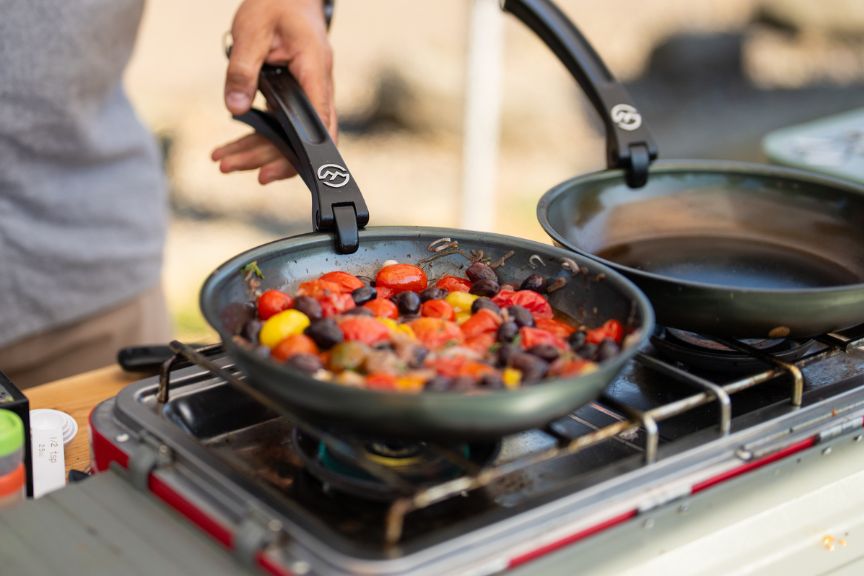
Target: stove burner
702	353
418	463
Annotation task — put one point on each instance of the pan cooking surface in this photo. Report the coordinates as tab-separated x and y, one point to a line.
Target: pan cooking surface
734	262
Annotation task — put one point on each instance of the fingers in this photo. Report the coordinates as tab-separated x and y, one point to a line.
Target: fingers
313	69
240	145
252	34
251	159
277	170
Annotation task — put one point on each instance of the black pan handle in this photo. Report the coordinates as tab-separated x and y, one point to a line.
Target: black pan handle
628	143
294	127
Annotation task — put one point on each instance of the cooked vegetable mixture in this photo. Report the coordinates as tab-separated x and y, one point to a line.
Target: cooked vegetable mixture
399	332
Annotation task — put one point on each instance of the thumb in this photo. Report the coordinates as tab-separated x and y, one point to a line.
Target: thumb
252	42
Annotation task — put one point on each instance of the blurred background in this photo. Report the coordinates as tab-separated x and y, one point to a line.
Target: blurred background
711	77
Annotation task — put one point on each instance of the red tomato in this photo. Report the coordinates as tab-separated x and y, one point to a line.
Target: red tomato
401	278
530	337
534	302
484	321
435	332
364	329
296	344
272	302
384	292
453	284
482	342
381	381
556	327
610	329
450	367
437	309
563	367
319	288
383	308
348	282
335	304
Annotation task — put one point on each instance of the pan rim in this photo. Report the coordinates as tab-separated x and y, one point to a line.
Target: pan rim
696	166
621	282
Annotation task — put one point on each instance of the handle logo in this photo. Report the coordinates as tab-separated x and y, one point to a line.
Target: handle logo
626	117
334	175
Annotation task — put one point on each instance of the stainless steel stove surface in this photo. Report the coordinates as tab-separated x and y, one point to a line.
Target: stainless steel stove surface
661	436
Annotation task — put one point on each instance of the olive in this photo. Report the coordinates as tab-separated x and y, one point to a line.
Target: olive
235	315
363	294
577	339
407	302
608	349
587	351
325	333
433	293
533	368
417	356
308	306
484	303
309	363
506	352
534	282
507	332
492	381
359	311
485	287
438	384
480	271
521	316
251	330
545	352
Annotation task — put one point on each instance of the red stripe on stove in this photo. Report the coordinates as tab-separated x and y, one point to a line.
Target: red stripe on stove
744	468
103	451
567	540
270	565
187	509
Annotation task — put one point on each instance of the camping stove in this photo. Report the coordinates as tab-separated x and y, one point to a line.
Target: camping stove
683	465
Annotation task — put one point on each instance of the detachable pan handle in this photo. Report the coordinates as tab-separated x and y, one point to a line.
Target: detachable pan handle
628	143
294	127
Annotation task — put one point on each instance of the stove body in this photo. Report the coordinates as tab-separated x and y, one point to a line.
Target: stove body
670	466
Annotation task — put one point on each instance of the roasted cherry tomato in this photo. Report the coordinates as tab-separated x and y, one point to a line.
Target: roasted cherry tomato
556	327
484	321
482	342
401	278
319	288
272	302
382	308
347	282
335	304
381	381
530	337
296	344
437	309
453	284
534	302
610	329
435	332
364	329
572	367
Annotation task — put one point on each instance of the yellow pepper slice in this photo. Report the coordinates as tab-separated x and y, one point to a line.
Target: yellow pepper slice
512	378
281	325
460	301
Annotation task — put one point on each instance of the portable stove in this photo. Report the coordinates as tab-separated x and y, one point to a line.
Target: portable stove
653	474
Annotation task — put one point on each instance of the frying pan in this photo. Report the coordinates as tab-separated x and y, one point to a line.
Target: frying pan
592	293
728	249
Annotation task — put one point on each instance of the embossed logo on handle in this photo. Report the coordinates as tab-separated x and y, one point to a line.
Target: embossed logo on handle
333	175
626	117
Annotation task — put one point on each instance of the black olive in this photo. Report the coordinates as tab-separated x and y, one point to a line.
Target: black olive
608	349
485	287
251	330
304	362
325	333
577	339
438	384
507	332
479	271
521	316
308	306
418	355
484	303
235	315
359	311
491	381
534	282
587	351
432	293
504	354
363	294
533	368
407	302
545	352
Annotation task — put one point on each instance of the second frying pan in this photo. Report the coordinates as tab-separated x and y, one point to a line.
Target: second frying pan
723	248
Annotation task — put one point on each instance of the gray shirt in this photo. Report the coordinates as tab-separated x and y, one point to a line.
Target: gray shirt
82	196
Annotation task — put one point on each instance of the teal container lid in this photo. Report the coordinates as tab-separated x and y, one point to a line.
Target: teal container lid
11	433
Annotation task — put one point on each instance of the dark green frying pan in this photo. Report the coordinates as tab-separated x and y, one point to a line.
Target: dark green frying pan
592	293
722	248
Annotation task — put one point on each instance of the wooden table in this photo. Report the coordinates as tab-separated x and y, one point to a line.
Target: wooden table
78	395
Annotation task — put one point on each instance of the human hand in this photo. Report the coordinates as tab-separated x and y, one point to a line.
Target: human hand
289	32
